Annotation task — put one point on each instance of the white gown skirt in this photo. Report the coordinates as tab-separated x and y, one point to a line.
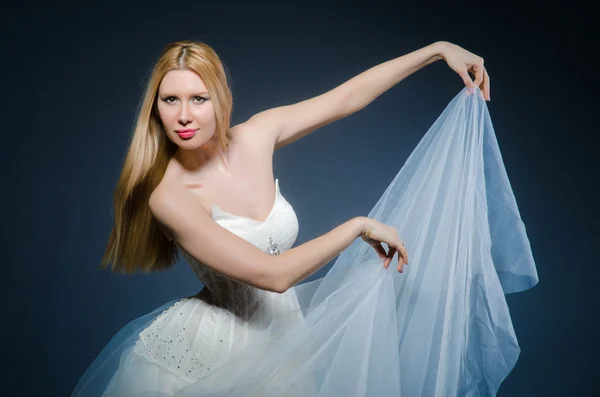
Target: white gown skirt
441	328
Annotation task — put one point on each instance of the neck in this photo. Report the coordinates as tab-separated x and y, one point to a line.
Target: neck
208	157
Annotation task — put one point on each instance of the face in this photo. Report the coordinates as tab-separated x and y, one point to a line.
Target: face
185	109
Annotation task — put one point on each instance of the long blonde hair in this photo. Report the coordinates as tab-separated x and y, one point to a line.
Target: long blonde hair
136	241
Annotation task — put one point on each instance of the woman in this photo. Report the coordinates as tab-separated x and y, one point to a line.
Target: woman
191	182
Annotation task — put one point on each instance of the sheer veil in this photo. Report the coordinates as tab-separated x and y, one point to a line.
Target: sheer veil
441	328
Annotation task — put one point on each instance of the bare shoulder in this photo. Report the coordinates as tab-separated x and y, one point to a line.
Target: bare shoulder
171	189
254	136
165	195
174	208
169	199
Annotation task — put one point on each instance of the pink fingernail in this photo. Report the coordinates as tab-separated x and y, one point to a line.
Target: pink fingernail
472	90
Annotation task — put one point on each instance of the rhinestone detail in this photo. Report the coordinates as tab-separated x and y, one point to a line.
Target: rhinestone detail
273	248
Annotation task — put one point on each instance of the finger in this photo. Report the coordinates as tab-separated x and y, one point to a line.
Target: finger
401	267
478	70
403	252
402	257
486	85
464	74
401	261
381	253
390	256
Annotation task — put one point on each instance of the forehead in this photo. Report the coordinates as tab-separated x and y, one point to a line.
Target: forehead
181	81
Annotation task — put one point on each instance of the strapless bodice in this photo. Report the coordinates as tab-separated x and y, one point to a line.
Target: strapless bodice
278	231
276	234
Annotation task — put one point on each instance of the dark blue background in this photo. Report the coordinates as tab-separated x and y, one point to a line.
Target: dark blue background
72	79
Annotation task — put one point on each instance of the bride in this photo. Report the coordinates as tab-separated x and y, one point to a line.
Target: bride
193	184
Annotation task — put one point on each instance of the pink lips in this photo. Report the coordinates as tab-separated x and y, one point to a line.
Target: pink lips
186	133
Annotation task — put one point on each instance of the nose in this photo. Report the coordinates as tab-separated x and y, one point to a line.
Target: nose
184	115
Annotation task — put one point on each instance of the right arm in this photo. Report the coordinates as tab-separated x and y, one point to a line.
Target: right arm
300	262
180	212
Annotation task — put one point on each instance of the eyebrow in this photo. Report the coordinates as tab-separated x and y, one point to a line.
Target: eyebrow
169	94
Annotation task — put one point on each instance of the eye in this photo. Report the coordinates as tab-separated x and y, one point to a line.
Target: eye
200	99
169	99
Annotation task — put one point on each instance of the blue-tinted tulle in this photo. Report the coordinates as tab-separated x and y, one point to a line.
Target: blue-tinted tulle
441	328
99	373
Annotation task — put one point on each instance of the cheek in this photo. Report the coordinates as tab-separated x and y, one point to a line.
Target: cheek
167	115
204	114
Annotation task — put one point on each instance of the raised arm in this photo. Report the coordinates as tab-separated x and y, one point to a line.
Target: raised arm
188	223
283	125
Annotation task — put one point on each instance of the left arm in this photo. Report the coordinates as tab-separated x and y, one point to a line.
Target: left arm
286	124
364	88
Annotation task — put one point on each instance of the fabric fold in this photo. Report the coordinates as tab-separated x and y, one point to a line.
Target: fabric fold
441	328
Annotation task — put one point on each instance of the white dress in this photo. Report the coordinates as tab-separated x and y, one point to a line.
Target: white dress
195	336
441	328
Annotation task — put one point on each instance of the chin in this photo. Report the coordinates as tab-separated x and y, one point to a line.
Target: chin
195	142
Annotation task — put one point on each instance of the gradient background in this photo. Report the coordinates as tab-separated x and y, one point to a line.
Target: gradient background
72	79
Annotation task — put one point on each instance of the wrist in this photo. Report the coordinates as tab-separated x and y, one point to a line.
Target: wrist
359	225
439	49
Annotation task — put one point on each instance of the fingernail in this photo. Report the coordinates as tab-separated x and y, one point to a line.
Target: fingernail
472	90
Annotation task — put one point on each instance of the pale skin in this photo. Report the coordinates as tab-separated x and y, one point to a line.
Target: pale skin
239	180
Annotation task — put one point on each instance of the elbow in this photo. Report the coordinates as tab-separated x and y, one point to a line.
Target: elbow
273	279
277	283
280	287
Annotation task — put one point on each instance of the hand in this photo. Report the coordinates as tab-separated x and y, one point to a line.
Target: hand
464	62
374	233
